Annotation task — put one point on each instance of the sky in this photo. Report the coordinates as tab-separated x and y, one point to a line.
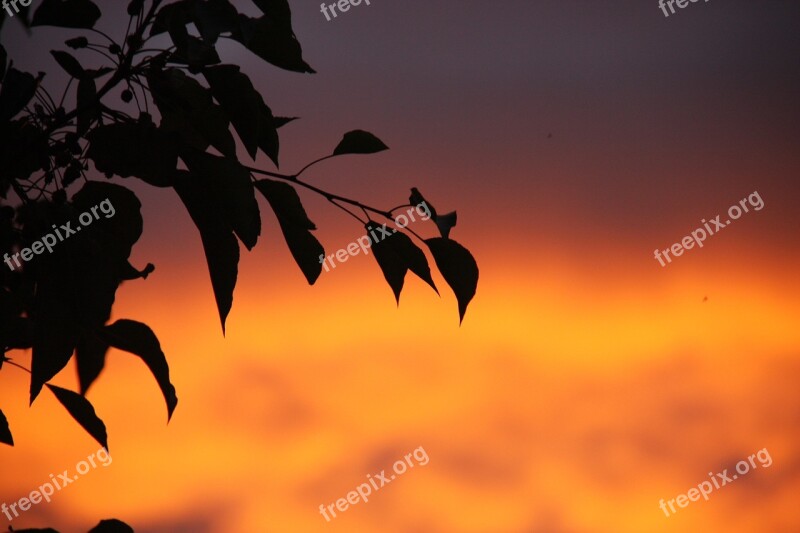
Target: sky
587	382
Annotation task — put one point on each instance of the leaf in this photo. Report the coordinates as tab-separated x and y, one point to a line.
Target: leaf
215	17
247	111
273	41
188	110
295	225
219	242
458	268
444	222
359	142
54	338
70	65
83	412
3	60
396	255
193	52
282	121
18	89
89	111
90	355
139	339
134	149
77	42
112	526
171	15
5	431
228	184
66	14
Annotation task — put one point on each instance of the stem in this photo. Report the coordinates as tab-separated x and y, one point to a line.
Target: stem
12	363
313	163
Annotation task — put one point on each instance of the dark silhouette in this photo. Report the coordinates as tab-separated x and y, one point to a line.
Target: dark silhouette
58	299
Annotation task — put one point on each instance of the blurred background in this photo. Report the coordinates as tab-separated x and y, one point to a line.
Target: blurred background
586	383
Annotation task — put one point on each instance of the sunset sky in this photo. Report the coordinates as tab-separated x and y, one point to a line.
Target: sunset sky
586	383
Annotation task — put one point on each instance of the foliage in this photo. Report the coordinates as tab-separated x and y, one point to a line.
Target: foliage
59	304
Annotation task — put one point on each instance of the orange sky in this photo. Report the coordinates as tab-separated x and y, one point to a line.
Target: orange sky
586	382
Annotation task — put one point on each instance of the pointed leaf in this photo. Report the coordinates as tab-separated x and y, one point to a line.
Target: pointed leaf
392	265
228	183
359	142
83	412
188	110
219	242
396	254
55	338
273	41
66	14
18	89
68	63
139	339
245	108
458	268
444	222
295	225
5	431
282	121
90	355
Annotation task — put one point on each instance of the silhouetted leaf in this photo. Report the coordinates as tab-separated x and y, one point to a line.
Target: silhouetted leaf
3	60
458	268
68	63
396	254
188	110
90	355
83	412
272	41
245	107
444	222
219	242
295	225
36	530
359	142
54	340
66	14
229	184
193	52
282	121
134	149
139	339
214	17
77	42
18	89
5	431
112	526
87	104
171	15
